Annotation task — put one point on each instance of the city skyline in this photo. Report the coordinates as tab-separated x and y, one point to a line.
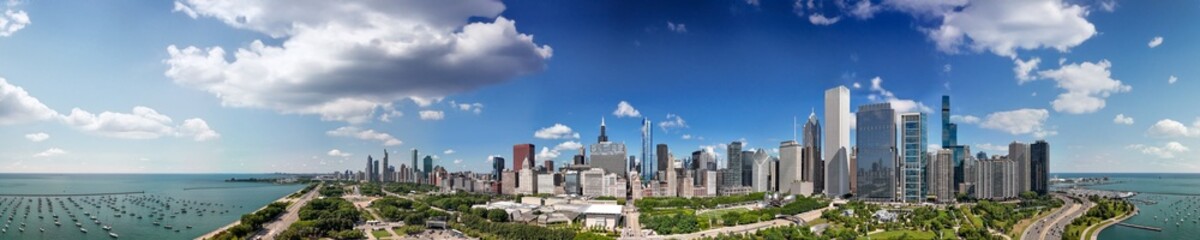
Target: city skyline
120	89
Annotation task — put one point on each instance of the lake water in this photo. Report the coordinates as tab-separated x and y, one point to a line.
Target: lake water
210	203
1176	197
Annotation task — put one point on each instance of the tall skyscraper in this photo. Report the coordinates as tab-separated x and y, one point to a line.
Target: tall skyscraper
748	168
603	132
913	151
1039	164
837	140
941	185
813	167
759	174
609	156
549	164
876	142
791	168
523	156
648	166
950	140
375	172
662	153
1019	153
733	165
428	168
370	168
497	167
387	172
414	160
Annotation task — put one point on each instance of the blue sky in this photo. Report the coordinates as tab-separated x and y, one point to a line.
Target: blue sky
193	86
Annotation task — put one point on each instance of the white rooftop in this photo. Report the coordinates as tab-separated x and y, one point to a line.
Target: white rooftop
612	209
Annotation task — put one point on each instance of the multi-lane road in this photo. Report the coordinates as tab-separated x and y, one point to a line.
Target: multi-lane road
1053	225
292	215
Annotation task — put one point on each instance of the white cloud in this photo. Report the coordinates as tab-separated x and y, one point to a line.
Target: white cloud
856	85
557	131
626	110
141	123
946	68
1165	152
900	105
432	115
338	153
342	60
389	113
1023	68
991	147
448	151
1158	40
686	137
1172	79
368	134
16	106
964	119
1020	121
1086	84
568	145
37	137
476	108
673	121
677	28
1108	5
863	10
820	19
1122	119
12	21
1168	128
924	8
547	154
50	152
1004	26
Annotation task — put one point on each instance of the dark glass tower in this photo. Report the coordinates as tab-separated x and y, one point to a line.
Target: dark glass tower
876	143
1039	166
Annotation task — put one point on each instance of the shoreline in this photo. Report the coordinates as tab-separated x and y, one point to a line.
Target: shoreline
212	233
1100	228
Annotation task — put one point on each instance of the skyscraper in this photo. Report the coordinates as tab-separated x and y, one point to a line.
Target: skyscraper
748	168
428	165
370	167
733	165
759	174
837	140
791	168
1039	164
414	162
1019	153
661	152
387	172
941	185
497	167
609	156
375	172
876	142
913	152
813	167
648	166
950	140
523	156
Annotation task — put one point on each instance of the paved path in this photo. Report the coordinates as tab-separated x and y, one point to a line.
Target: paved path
633	226
292	215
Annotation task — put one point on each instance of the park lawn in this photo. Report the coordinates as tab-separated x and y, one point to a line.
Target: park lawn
381	233
978	223
718	213
818	221
896	235
949	234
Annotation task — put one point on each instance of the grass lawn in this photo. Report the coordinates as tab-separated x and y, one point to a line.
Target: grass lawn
817	221
896	235
382	233
978	223
718	213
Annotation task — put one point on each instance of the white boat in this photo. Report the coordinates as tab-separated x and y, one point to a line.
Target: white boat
84	230
113	235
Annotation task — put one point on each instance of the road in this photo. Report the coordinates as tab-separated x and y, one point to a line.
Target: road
1052	226
292	215
633	226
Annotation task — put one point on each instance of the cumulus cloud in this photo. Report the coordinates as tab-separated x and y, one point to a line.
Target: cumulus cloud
337	153
1172	79
432	115
17	106
1168	128
557	131
50	153
1086	84
1167	151
991	147
676	27
626	110
863	10
924	8
140	123
547	154
1020	121
476	108
1023	68
13	19
1155	42
964	119
365	134
1108	5
1122	119
821	20
878	93
568	145
343	60
686	137
1003	26
673	121
37	137
448	151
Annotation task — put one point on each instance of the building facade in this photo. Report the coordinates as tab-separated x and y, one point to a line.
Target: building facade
1039	167
876	142
913	150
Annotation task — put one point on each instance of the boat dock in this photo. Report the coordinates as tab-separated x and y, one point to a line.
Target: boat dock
1156	229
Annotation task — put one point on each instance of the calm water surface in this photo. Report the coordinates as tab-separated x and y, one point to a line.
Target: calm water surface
1176	197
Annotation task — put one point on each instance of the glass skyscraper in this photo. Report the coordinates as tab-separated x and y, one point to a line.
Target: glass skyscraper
876	142
913	148
648	166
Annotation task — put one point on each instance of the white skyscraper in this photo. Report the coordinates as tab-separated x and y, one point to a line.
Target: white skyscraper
837	140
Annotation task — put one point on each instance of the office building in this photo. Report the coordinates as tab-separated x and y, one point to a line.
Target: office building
1019	153
996	179
914	156
549	165
1039	167
941	182
837	141
747	168
791	169
370	168
733	169
608	155
760	175
648	168
812	166
664	157
523	156
876	143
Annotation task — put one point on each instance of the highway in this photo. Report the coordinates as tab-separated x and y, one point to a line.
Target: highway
292	215
1053	225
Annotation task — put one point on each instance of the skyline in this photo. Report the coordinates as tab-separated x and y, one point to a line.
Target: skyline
546	73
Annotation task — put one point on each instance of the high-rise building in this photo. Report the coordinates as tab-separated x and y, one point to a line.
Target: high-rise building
648	165
387	172
370	168
428	167
759	174
549	165
497	166
837	140
813	167
375	172
733	165
609	156
791	169
997	179
941	183
913	149
1019	152
876	143
1039	167
663	154
414	165
950	141
603	132
523	155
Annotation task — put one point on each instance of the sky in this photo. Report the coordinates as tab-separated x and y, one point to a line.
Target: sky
196	86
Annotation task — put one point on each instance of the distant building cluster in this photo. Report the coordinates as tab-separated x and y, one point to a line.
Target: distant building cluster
889	162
